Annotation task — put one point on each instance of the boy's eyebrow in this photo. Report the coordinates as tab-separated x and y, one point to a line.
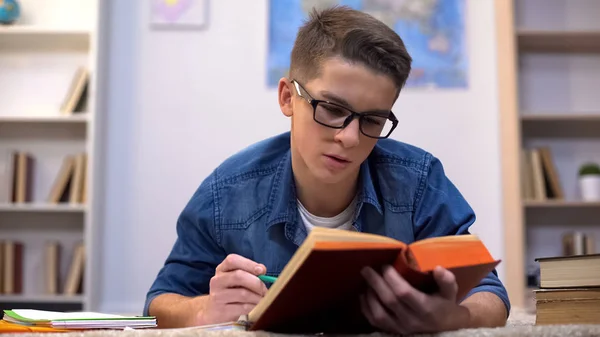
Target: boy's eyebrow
337	99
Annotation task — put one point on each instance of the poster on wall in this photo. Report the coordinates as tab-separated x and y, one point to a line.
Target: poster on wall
432	30
179	14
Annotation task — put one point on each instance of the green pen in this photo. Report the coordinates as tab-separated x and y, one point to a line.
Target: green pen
266	278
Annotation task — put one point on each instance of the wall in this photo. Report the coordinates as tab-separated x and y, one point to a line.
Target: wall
179	102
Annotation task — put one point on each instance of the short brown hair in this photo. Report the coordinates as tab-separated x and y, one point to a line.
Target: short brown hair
353	35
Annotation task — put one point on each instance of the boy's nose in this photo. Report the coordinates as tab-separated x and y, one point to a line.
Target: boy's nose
350	135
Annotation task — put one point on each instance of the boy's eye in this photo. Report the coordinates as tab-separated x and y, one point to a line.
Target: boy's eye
374	120
334	110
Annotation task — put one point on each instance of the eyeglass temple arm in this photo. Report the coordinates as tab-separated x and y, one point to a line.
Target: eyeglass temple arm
301	91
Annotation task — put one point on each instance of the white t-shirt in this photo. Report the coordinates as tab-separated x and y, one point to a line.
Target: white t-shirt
340	221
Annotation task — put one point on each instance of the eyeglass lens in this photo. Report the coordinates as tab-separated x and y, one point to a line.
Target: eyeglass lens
334	116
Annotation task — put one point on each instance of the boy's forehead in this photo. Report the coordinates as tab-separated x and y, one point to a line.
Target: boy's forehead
353	85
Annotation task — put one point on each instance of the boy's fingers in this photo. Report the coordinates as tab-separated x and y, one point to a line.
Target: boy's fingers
233	262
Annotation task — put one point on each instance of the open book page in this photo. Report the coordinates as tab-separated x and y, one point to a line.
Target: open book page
449	252
464	255
319	234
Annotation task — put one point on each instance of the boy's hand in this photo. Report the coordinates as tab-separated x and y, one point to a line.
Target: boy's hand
393	305
234	290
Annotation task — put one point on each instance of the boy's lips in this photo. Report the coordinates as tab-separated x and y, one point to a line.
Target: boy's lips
338	158
335	162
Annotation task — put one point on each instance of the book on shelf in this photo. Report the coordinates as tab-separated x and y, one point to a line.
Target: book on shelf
569	291
318	290
74	281
11	267
539	176
52	267
16	177
17	183
12	276
75	98
578	243
60	187
69	184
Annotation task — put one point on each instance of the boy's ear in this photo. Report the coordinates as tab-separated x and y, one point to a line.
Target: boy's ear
284	93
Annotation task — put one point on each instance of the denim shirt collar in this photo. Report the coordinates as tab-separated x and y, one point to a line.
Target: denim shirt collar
283	201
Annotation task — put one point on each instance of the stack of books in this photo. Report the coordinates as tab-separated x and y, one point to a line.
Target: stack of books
21	320
569	291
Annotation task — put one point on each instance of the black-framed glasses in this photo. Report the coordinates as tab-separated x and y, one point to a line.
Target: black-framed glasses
371	124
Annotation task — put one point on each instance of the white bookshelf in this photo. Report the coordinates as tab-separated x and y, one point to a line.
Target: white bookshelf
39	55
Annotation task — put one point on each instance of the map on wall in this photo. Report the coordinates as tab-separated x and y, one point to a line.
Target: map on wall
432	30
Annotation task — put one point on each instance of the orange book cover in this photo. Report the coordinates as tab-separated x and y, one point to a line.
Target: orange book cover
318	290
8	327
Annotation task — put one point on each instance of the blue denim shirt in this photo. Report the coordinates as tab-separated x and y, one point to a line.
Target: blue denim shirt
247	206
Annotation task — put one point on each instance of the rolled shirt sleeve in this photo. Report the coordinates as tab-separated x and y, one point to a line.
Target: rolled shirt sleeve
196	252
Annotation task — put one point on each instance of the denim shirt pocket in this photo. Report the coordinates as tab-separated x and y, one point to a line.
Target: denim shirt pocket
399	191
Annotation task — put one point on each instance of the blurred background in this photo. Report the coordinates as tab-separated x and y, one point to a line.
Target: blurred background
113	112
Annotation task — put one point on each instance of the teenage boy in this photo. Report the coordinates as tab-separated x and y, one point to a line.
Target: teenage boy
335	168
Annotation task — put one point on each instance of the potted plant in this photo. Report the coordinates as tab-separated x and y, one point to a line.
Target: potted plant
589	181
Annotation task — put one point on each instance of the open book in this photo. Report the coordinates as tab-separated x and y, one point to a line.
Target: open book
318	290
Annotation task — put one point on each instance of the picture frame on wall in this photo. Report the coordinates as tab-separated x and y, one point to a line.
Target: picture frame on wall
179	14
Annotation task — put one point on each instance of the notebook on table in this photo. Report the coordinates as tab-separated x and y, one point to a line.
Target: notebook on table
76	320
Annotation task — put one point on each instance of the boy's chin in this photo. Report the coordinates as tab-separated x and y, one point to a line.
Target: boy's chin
328	177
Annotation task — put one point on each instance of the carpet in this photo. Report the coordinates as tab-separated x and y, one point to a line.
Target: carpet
520	323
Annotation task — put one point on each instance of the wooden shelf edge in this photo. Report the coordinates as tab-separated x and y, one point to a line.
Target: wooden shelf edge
42	298
557	32
560	203
560	126
17	29
41	207
563	117
559	41
76	118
